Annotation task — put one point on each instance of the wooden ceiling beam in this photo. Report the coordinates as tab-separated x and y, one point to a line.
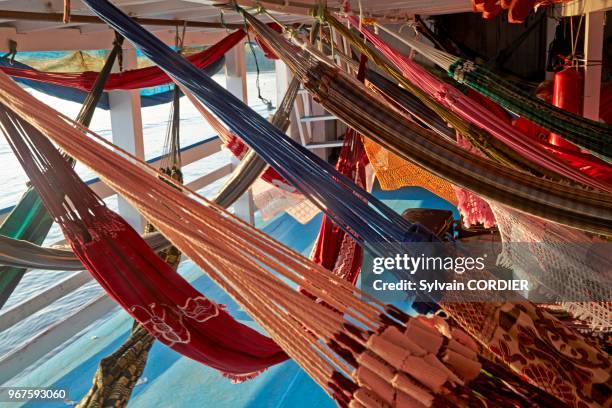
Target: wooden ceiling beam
80	19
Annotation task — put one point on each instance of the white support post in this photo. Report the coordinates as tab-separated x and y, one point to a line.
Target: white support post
284	76
235	82
593	50
126	123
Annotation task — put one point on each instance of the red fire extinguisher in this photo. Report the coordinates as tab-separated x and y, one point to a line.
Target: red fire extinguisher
567	94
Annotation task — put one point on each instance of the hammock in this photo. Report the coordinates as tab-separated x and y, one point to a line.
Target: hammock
545	242
147	97
350	102
129	270
338	355
119	372
334	249
588	134
473	111
29	220
130	79
255	256
410	103
564	262
490	146
392	171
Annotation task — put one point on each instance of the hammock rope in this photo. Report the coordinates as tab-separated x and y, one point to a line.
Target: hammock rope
333	248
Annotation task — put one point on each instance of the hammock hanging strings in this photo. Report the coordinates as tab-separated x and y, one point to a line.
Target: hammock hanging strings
29	221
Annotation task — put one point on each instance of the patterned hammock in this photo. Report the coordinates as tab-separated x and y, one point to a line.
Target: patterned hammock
29	220
477	111
588	134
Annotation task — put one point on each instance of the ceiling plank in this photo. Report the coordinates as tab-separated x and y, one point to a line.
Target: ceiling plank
71	39
57	17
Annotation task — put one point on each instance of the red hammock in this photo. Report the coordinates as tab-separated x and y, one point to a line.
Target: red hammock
126	80
334	249
130	272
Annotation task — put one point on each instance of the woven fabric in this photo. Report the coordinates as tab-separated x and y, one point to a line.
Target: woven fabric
334	249
118	373
588	134
393	173
541	349
561	260
490	130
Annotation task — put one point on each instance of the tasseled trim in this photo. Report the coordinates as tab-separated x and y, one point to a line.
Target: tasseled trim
240	378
